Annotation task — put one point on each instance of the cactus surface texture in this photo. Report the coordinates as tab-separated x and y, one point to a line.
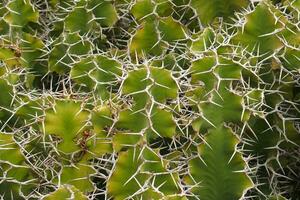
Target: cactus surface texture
150	99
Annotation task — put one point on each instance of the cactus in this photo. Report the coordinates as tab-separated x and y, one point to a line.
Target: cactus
220	163
65	192
149	99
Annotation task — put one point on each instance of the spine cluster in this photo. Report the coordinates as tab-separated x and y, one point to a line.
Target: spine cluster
150	99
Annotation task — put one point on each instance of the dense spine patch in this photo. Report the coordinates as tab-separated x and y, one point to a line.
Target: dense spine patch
150	99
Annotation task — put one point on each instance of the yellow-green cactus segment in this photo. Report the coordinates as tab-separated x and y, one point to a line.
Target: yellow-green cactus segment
262	139
79	20
209	10
146	41
80	72
4	27
217	172
224	106
29	112
174	197
171	30
6	101
164	8
142	9
128	118
13	169
9	54
9	151
66	192
101	118
98	145
277	197
21	12
136	81
209	71
125	140
163	180
163	124
77	45
259	34
108	70
228	70
137	172
293	7
290	33
59	60
143	84
290	59
63	3
98	70
99	142
296	4
135	85
160	123
202	72
167	62
126	180
66	51
6	95
203	41
78	176
66	120
153	74
104	12
162	84
32	49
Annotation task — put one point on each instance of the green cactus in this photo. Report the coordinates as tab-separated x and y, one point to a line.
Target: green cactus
207	11
149	99
17	17
260	36
16	176
221	174
65	192
67	121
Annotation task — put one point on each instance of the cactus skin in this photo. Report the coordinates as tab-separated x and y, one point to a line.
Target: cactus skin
150	99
